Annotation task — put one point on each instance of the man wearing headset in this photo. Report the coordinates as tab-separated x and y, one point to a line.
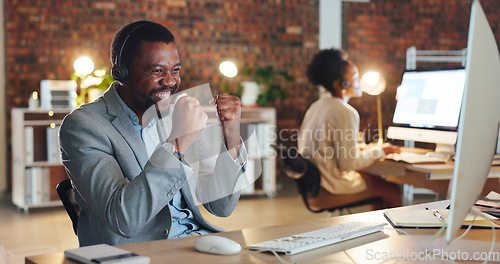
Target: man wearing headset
131	185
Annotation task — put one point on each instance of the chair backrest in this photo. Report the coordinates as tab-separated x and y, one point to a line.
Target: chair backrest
308	178
306	174
67	196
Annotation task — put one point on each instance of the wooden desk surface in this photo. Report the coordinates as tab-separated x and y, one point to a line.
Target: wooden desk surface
441	171
374	248
435	177
445	171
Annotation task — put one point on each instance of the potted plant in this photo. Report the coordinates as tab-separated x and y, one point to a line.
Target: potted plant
268	82
93	85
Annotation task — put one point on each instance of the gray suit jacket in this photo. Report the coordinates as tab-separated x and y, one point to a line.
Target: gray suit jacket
124	196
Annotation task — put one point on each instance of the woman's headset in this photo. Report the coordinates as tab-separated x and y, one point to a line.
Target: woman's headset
344	84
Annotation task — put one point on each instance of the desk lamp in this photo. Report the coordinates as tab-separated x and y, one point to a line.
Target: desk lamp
373	83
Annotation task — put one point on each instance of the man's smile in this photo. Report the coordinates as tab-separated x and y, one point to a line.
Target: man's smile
162	94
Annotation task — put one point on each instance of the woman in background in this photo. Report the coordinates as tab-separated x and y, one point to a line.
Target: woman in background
328	137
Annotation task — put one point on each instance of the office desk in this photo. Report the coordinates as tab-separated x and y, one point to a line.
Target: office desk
435	177
417	176
367	249
431	171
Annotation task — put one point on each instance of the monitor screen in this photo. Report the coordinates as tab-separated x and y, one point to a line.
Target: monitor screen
430	98
428	107
479	120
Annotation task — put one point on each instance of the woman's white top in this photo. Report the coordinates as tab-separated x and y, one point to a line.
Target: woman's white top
328	137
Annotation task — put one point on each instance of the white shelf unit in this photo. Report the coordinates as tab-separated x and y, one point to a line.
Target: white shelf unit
34	177
263	116
39	120
454	56
439	56
263	121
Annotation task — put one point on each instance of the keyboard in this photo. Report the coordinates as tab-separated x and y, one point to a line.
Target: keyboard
318	238
413	157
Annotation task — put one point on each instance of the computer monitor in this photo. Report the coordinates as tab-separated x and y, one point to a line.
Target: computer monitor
428	107
479	120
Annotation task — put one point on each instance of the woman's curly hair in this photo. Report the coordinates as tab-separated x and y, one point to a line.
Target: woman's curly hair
327	66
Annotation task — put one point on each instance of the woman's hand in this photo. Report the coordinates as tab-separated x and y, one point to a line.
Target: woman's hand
389	149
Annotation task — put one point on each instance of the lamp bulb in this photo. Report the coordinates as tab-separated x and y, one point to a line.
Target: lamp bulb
228	69
83	66
373	83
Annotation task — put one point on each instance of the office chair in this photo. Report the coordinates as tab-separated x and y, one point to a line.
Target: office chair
67	196
308	178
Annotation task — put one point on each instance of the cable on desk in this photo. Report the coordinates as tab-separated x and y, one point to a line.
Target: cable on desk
274	252
475	212
286	262
418	243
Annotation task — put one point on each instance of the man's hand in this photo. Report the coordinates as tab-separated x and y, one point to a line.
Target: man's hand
229	112
188	120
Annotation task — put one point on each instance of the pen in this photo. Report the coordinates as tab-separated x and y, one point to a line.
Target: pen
438	215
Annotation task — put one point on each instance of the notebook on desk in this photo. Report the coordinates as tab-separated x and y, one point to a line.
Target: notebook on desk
422	218
104	254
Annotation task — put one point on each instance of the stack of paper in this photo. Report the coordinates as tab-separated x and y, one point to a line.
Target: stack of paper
491	204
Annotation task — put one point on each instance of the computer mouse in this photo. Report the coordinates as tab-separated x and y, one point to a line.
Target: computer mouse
217	245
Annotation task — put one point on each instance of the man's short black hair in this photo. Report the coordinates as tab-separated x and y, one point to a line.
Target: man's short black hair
137	32
326	67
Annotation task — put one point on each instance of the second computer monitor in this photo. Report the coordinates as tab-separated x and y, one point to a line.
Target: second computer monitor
428	107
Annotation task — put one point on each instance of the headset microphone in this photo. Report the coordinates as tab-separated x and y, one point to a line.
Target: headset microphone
161	134
139	92
120	73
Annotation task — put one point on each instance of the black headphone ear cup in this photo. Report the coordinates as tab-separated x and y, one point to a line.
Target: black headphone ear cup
345	84
119	73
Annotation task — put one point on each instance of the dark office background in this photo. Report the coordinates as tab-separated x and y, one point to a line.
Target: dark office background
44	37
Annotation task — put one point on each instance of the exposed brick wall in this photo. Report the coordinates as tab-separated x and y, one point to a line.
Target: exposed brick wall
377	34
44	37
